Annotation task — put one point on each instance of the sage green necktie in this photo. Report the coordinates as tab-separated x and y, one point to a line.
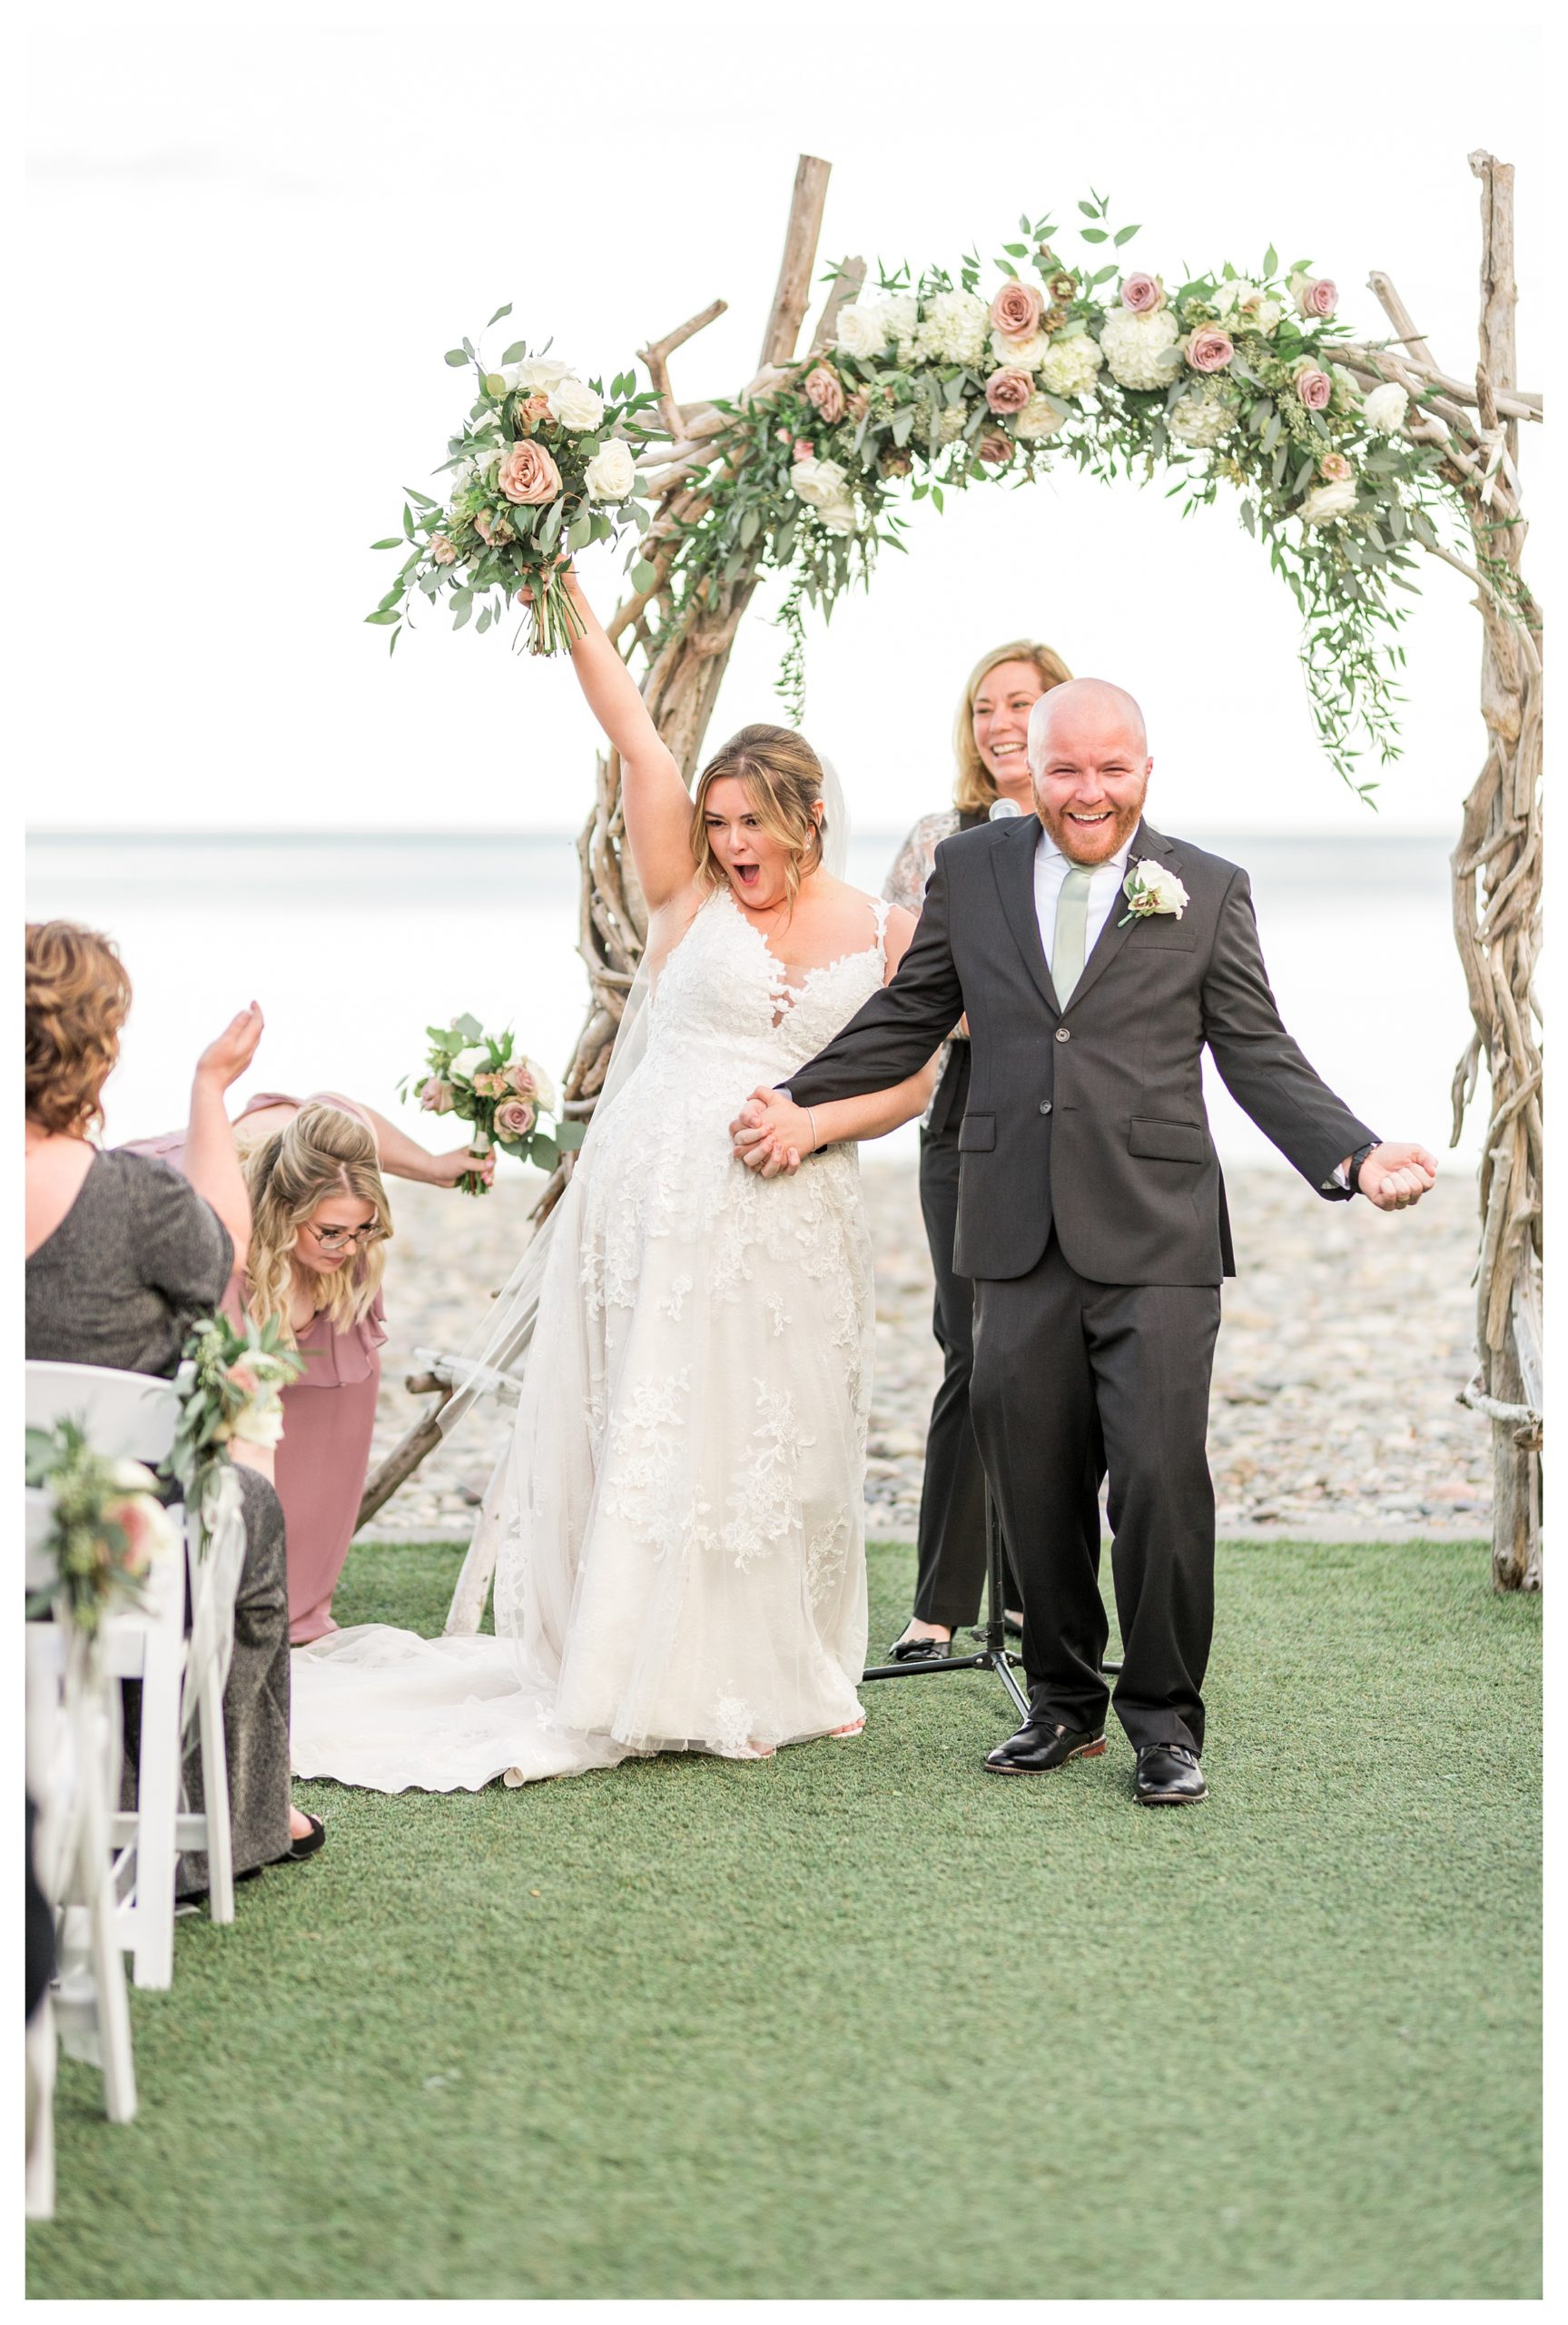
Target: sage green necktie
1072	926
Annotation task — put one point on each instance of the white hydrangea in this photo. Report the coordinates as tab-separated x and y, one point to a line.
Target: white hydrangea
823	484
1325	502
575	405
1141	350
1071	367
954	329
863	328
901	316
1038	419
1246	306
1020	354
1200	420
1386	408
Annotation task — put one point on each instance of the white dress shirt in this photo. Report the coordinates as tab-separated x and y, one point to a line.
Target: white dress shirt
1050	869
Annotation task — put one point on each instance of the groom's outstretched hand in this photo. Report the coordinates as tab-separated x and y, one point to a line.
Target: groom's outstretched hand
1393	1177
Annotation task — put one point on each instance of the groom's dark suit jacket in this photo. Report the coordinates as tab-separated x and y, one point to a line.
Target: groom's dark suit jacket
1091	1119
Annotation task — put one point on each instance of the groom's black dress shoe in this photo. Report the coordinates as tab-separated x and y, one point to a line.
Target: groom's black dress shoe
1169	1776
1042	1743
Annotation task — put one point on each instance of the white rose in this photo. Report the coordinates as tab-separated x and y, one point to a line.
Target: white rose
261	1424
863	328
539	371
1201	420
1071	367
900	320
1149	887
1021	354
954	329
574	405
1325	502
612	472
1038	419
1386	408
1141	350
467	1062
840	515
819	482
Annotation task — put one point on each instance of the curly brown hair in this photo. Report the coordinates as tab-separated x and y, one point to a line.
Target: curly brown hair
78	998
783	777
322	1152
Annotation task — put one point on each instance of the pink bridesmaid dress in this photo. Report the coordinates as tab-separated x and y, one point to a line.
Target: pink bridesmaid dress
329	1415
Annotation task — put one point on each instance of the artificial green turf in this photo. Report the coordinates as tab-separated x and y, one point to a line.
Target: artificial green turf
866	2020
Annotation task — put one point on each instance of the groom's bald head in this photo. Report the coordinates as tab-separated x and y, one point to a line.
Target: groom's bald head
1088	756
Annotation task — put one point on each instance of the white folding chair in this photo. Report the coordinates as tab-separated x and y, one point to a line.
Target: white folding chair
132	1415
71	1724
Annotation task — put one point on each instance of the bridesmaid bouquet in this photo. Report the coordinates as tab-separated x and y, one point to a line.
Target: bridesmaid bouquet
107	1525
543	464
479	1077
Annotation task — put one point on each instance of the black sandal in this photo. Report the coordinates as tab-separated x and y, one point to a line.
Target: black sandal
919	1651
307	1844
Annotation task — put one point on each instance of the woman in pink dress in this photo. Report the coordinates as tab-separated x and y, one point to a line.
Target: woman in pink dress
319	1222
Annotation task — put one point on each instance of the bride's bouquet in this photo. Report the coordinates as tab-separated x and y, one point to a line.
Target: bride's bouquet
543	464
504	1095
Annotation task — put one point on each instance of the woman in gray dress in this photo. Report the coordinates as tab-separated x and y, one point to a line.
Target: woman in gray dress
123	1256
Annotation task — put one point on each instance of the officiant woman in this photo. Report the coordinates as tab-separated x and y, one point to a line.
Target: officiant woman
991	763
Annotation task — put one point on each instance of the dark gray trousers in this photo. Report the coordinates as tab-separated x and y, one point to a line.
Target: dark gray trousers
1074	1380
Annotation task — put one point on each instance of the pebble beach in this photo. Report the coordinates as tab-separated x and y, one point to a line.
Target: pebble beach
1346	1337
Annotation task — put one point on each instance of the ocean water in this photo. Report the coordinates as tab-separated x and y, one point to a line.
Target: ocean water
354	944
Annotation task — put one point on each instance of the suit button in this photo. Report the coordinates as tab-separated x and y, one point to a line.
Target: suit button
1045	1106
1062	1035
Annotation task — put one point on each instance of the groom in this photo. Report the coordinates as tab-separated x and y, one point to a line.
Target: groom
1095	960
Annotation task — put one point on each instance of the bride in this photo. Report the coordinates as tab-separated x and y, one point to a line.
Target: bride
680	1564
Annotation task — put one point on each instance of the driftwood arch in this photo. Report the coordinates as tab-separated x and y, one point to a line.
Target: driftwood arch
682	637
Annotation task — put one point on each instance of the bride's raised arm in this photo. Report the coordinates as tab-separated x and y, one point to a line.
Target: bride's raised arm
656	803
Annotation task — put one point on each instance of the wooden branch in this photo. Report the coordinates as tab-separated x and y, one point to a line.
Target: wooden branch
1515	403
657	355
793	295
1399	315
1499	291
850	276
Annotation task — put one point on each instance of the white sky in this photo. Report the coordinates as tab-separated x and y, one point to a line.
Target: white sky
252	234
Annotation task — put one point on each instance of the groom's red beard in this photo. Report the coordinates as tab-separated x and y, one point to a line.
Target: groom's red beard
1092	842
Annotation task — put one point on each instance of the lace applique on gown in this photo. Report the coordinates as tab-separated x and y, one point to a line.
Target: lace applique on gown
681	1562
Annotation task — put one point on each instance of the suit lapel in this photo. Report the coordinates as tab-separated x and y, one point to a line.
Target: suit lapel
1012	862
1146	841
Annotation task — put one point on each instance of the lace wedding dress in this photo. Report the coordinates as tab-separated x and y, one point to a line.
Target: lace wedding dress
681	1560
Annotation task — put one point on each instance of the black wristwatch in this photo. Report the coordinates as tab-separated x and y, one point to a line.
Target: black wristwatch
1353	1175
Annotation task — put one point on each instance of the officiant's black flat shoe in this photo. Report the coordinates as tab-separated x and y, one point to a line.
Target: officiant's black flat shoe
919	1651
1169	1776
307	1844
1042	1744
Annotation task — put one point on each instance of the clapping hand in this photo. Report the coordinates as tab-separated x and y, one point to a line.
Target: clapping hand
1394	1177
223	1062
772	1134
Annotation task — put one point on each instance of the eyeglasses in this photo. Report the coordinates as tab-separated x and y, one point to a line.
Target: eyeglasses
340	1239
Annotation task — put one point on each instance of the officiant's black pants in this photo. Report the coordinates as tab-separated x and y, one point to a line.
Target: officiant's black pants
1074	1380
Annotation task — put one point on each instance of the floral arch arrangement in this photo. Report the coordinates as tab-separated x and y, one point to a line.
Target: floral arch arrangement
1350	459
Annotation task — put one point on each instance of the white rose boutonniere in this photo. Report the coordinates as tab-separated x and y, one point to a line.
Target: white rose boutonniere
1149	888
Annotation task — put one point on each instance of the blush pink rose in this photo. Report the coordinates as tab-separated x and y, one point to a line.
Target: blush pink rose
442	549
1315	388
134	1521
520	1079
532	411
804	450
436	1096
858	404
528	476
243	1378
995	447
1016	309
1008	390
1333	467
1143	293
823	390
1210	347
490	1085
494	530
515	1119
783	436
1317	298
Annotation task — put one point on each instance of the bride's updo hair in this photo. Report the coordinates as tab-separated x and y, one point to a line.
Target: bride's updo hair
323	1152
783	777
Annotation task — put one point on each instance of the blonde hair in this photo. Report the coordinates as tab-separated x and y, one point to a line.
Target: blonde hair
78	998
973	791
323	1152
783	779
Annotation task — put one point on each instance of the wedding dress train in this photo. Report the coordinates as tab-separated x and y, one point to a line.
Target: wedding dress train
681	1558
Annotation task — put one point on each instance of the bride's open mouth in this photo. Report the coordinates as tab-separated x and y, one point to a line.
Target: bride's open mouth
746	873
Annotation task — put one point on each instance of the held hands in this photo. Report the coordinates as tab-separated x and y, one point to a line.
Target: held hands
772	1134
1394	1177
223	1062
